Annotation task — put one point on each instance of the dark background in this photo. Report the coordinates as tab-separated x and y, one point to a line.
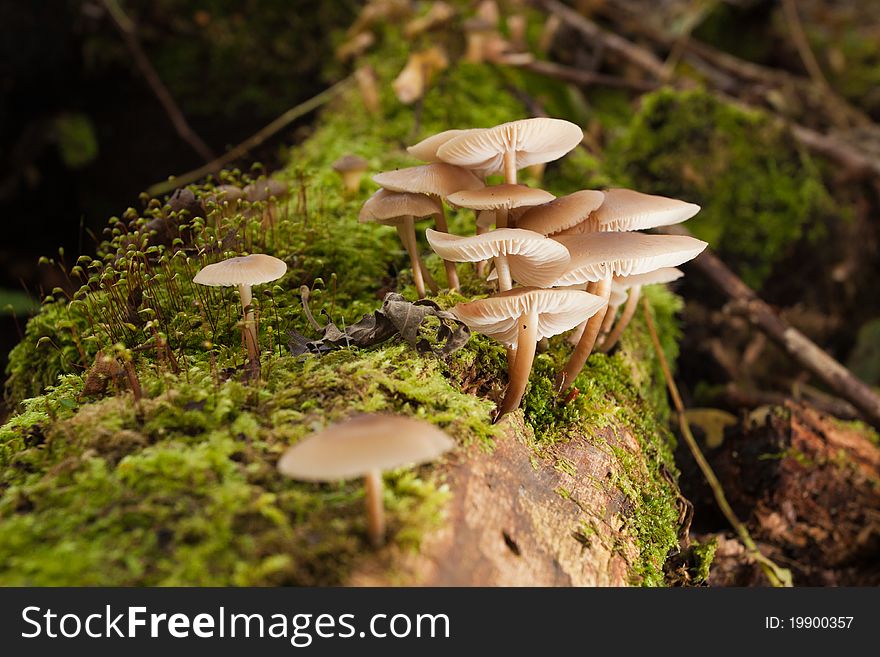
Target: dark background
82	133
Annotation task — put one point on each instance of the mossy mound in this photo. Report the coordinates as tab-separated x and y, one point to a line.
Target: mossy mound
760	193
181	487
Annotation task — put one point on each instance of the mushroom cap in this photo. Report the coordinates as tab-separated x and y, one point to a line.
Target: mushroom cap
426	150
558	311
254	269
597	255
626	209
532	140
656	277
262	190
561	213
362	444
387	207
486	218
495	197
437	178
350	162
533	259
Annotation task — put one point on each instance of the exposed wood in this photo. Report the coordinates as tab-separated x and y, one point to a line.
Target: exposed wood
510	524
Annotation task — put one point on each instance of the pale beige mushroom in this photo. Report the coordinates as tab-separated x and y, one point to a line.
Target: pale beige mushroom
501	199
365	446
625	210
439	180
597	257
399	209
519	319
439	13
512	146
244	272
562	213
426	150
351	168
521	255
420	68
633	286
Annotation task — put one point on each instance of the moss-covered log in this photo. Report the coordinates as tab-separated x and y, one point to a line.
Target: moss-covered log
180	487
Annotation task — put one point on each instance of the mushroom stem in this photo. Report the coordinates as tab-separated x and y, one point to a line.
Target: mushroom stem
502	268
407	233
607	322
351	181
501	215
526	341
304	294
443	227
509	168
629	310
375	508
249	328
481	266
585	345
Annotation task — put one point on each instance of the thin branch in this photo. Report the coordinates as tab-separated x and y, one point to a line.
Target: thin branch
253	141
777	575
804	351
582	77
796	29
126	28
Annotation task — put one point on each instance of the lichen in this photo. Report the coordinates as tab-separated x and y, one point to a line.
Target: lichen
180	487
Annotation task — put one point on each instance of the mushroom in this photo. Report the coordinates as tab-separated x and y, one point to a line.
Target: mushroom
438	180
597	257
512	146
426	150
365	446
399	209
478	31
625	209
501	199
269	190
528	257
351	168
518	319
355	46
244	272
562	213
634	285
617	299
368	85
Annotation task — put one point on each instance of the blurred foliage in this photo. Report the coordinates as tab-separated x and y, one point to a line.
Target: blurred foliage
760	193
77	142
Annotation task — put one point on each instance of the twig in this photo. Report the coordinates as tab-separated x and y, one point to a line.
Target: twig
796	29
855	160
126	29
736	396
253	141
795	343
777	575
582	77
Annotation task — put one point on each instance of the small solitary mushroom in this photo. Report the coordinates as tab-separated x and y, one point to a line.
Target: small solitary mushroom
512	146
399	209
244	272
351	168
420	68
365	446
521	255
597	257
438	180
519	319
633	284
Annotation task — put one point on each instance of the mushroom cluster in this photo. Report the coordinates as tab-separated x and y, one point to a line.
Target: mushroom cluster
578	258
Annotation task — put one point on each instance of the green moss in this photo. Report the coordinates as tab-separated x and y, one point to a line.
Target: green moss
759	192
182	488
